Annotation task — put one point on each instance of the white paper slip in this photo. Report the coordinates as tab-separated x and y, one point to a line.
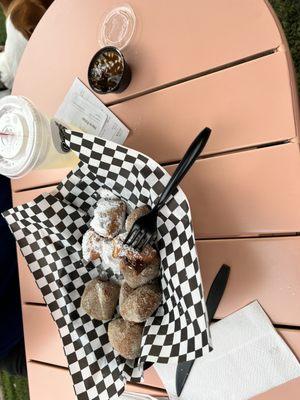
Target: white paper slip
83	110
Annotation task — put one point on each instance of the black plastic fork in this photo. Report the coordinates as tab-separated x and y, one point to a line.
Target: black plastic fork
144	229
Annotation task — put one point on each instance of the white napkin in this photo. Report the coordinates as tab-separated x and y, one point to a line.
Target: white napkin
249	358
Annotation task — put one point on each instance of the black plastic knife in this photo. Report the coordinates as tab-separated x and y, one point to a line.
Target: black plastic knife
213	299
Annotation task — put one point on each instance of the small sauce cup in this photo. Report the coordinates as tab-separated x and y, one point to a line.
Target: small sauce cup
108	71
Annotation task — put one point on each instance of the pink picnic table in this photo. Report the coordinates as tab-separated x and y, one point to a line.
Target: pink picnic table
222	64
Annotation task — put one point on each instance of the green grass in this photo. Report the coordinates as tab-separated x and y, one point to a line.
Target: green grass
14	388
288	12
2	28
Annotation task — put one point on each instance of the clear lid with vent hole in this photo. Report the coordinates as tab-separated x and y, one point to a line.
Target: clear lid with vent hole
23	142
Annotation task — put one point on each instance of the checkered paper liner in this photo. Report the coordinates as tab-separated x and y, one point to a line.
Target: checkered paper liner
49	230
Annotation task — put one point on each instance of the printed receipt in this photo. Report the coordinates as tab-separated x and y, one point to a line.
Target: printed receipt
82	110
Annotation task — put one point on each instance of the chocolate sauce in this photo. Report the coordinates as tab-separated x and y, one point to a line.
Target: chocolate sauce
137	264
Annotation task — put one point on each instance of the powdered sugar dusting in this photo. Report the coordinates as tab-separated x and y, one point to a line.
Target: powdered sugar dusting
105	206
108	261
101	225
91	246
109	217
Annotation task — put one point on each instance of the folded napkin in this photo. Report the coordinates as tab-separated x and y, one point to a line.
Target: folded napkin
249	358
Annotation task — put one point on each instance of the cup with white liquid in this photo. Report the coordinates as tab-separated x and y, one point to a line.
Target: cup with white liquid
29	140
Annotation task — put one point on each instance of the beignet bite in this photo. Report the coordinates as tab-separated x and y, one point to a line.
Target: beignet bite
140	304
100	299
125	337
109	217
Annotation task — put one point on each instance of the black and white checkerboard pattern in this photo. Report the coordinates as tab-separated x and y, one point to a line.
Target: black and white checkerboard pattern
49	231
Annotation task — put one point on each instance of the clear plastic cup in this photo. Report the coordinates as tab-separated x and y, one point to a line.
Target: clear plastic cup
28	140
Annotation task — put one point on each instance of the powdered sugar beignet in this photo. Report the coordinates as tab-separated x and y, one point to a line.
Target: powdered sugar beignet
97	248
109	217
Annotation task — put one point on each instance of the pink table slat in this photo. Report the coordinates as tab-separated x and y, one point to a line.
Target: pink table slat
39	178
244	106
287	391
48	383
28	195
256	273
160	51
40	325
245	193
292	338
43	342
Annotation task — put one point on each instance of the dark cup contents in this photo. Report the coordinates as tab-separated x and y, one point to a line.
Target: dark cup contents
108	71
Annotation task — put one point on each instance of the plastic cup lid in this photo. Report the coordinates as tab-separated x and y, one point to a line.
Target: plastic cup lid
117	27
20	145
11	145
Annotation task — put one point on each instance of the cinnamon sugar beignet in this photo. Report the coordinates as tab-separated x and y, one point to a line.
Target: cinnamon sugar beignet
125	291
138	268
134	277
100	298
140	304
125	337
